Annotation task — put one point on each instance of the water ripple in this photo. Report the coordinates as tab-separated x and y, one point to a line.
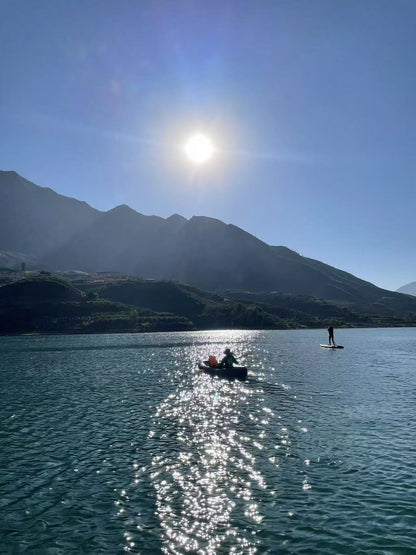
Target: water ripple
115	443
204	481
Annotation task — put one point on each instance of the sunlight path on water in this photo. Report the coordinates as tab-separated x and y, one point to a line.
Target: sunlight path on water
207	478
199	487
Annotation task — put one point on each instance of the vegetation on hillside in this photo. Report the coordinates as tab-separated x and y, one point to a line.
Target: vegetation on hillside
48	304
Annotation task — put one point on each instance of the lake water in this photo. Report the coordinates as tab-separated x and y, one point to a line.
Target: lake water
117	443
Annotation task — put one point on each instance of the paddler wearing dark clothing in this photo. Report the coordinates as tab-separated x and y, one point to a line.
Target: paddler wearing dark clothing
229	359
331	335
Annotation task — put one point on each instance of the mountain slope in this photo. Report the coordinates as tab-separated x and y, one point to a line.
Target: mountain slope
34	219
66	234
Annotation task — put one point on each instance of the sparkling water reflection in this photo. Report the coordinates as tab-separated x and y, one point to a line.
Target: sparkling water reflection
206	473
118	443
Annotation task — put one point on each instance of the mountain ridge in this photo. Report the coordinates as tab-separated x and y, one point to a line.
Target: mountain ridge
67	234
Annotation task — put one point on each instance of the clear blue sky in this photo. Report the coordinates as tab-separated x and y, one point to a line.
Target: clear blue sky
311	105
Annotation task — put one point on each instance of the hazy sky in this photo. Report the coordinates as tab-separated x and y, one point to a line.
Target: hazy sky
311	105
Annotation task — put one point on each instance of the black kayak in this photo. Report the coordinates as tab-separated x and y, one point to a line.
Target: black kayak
239	372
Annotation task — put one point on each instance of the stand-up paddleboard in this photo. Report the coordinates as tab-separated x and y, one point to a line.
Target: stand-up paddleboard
332	346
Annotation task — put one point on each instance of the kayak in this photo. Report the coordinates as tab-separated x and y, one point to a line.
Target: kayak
239	372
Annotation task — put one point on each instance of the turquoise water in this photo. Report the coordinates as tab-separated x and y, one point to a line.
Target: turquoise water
116	443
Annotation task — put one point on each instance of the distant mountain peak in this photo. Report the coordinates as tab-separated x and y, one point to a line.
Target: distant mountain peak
408	289
10	172
176	218
123	209
14	181
206	220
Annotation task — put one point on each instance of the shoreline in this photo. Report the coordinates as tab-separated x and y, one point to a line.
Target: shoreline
118	332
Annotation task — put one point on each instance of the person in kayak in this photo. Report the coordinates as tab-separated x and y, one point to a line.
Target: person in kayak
331	335
229	359
212	361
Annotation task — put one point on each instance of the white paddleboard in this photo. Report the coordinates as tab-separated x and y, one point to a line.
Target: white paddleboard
332	346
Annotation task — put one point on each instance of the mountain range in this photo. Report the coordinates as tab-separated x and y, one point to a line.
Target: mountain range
55	232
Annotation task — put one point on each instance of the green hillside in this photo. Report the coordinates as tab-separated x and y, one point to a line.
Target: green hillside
106	303
206	310
48	304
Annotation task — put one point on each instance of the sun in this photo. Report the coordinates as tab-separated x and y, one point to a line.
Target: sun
199	148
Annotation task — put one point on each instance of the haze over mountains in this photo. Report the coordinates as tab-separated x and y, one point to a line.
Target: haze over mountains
408	289
61	233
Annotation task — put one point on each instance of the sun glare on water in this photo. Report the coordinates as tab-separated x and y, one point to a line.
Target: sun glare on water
199	148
